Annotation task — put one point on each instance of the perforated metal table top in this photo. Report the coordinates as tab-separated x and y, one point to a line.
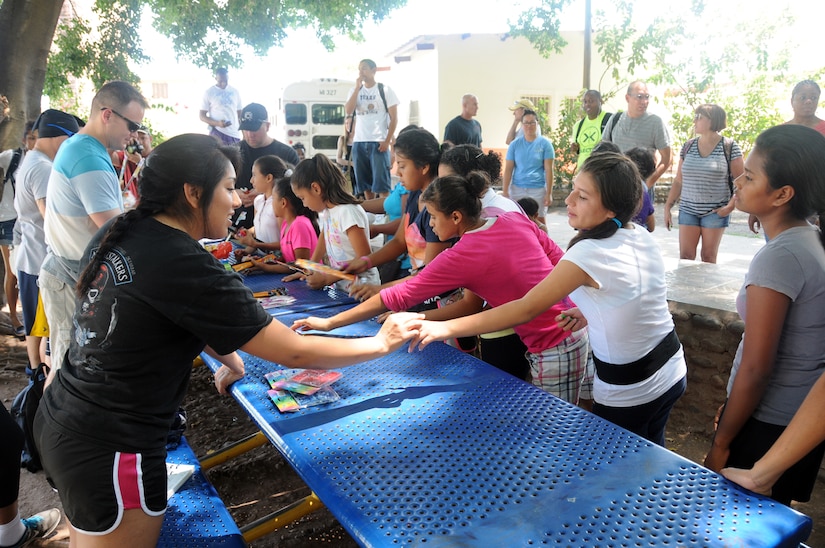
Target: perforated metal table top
439	449
306	299
366	328
196	517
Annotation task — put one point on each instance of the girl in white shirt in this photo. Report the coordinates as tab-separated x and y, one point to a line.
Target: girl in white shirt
614	272
344	223
266	231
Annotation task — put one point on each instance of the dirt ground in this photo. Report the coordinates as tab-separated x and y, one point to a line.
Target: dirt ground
260	482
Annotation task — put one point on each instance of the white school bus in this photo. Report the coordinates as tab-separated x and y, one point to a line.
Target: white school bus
313	114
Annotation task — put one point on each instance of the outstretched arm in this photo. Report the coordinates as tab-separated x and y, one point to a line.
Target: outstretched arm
558	284
278	343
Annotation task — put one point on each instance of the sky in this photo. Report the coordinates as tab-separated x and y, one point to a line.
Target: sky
301	57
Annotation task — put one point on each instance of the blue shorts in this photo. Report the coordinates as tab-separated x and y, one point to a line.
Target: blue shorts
7	232
708	220
372	167
28	290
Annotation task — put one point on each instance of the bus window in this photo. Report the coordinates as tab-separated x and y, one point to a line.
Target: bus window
328	114
295	113
325	142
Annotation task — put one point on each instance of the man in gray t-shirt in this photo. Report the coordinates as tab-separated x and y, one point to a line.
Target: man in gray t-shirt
638	128
53	127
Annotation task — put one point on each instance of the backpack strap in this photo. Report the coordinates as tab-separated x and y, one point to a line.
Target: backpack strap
13	165
10	173
614	119
607	116
383	96
578	130
605	119
727	147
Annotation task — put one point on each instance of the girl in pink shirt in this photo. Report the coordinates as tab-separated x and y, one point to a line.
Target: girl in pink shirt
299	227
498	260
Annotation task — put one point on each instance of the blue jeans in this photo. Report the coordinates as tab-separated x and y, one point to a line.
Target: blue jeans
647	420
372	167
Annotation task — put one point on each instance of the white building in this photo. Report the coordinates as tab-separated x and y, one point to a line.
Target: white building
431	73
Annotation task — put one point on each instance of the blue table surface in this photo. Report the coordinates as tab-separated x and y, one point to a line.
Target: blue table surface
437	448
196	517
306	299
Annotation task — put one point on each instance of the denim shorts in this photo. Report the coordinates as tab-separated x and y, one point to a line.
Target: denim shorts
708	220
7	232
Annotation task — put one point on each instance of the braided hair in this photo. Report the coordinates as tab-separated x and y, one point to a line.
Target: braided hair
189	158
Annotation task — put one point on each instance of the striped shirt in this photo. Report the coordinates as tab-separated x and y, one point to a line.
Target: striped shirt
705	178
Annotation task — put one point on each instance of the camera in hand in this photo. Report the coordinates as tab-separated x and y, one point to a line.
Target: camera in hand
134	147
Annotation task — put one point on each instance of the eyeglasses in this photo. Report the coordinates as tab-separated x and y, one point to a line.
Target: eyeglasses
642	96
697	117
529	123
133	126
64	130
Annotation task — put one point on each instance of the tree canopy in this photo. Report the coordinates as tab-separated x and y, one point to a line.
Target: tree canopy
209	34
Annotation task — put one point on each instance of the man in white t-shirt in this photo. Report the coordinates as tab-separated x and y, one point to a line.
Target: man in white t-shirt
376	108
221	109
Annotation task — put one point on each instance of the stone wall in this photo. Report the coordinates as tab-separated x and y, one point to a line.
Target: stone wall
710	338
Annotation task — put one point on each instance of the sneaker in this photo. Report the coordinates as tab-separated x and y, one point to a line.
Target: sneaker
39	525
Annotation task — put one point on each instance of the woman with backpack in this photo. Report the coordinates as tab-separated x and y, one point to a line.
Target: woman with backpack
709	164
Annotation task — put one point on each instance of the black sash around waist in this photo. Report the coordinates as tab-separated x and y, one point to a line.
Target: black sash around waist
633	372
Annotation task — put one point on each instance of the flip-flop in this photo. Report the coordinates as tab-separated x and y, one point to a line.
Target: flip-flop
20	332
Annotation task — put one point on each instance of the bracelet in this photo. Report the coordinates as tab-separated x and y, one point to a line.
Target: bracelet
367	260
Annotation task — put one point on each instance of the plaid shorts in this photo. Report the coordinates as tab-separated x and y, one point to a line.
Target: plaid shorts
561	370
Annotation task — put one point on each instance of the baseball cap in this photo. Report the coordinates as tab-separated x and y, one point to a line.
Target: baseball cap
523	103
56	123
252	116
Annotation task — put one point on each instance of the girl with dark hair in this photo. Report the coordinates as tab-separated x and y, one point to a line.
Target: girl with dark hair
299	229
265	233
498	259
782	302
149	299
503	349
344	223
462	159
417	155
614	272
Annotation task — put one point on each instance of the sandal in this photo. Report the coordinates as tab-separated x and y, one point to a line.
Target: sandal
20	332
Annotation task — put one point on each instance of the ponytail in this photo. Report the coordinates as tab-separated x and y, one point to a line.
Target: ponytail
319	169
283	187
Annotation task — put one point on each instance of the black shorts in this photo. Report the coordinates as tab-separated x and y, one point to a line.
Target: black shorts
754	440
97	484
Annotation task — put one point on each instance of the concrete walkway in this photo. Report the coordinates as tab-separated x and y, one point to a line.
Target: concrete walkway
691	282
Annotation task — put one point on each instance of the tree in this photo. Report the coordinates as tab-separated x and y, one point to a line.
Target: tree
744	69
26	30
207	33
